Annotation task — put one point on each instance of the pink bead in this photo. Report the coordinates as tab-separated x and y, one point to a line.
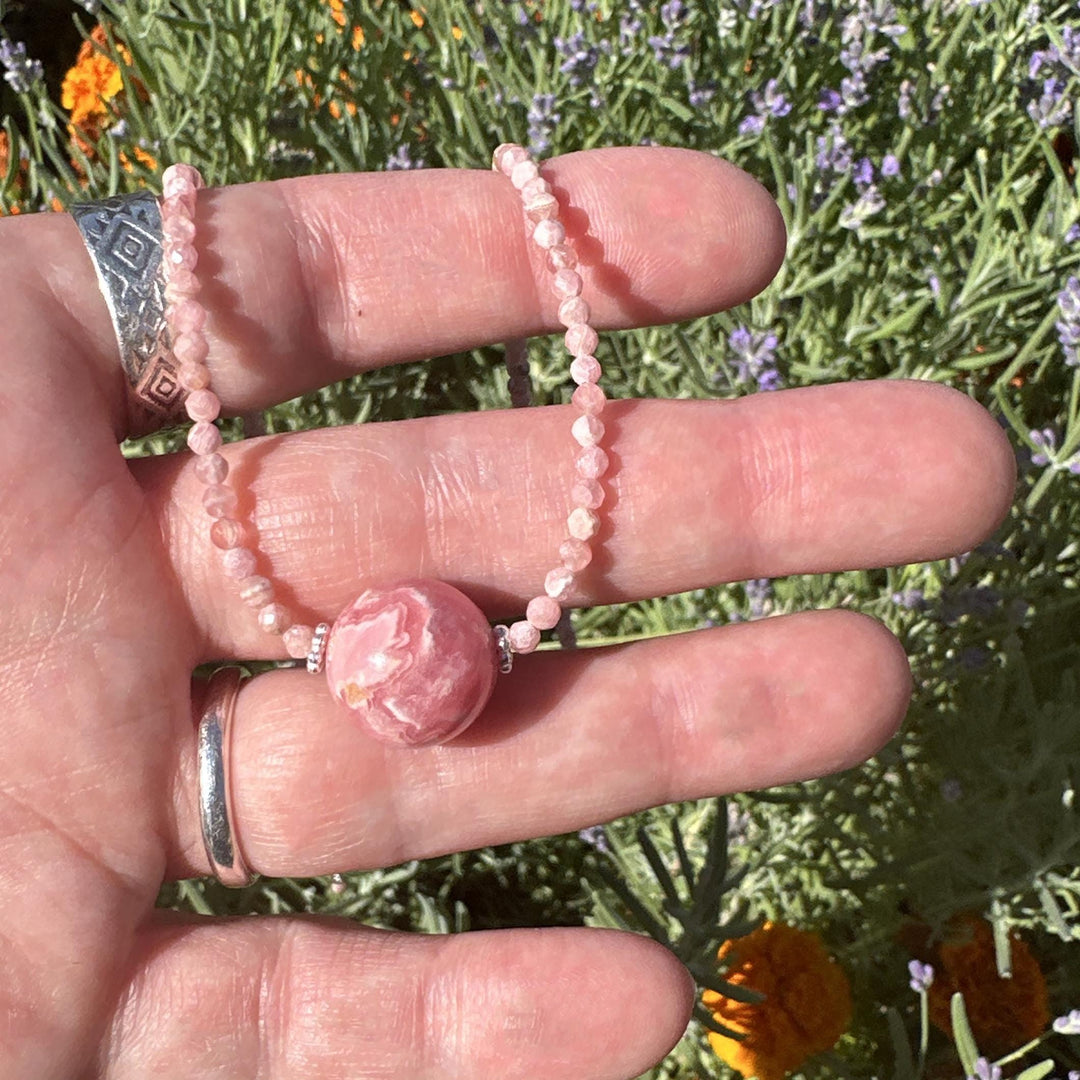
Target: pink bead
178	229
204	438
414	663
591	463
590	399
587	430
274	618
297	640
182	203
219	501
585	369
566	283
180	176
211	469
523	172
575	554
549	233
187	317
203	405
536	186
238	563
181	257
581	339
182	285
582	523
190	348
524	637
256	591
543	612
562	257
557	583
507	155
573	310
587	493
193	376
227	533
542	208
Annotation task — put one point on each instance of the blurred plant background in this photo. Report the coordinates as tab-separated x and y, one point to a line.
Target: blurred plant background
916	916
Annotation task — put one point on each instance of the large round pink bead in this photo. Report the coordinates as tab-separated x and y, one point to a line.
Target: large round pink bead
415	662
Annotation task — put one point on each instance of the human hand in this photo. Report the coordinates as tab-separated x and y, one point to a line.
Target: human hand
112	596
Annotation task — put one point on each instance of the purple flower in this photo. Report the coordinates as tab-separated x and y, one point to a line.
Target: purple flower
830	100
903	105
922	975
20	71
758	594
754	124
670	48
1053	107
596	836
984	1070
833	152
582	57
755	357
402	159
543	119
912	599
1069	1024
1073	233
864	173
701	93
1047	440
1068	326
935	285
856	214
890	165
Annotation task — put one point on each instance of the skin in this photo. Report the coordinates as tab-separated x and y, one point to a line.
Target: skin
112	595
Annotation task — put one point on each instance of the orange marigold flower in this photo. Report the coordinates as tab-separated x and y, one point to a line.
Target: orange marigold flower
357	38
456	32
92	83
1003	1013
417	19
807	1004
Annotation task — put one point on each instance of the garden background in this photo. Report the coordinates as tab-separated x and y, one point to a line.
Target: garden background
916	916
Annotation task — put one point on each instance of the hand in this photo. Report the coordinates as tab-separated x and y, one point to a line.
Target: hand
112	595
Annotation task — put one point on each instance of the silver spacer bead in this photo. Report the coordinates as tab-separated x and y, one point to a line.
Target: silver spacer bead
502	644
317	656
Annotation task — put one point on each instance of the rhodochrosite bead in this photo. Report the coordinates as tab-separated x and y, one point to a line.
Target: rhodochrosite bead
414	662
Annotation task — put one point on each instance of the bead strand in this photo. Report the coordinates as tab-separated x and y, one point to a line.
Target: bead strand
186	318
586	495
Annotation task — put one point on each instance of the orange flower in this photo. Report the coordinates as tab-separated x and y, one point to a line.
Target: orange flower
1004	1013
807	1004
90	86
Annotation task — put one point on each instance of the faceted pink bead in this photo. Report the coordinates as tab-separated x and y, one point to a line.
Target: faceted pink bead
549	233
190	348
274	618
573	310
543	612
204	438
193	376
219	501
256	591
211	469
557	583
590	399
227	533
187	317
581	339
587	493
181	257
182	285
542	208
203	405
183	203
523	172
566	283
562	257
298	640
575	554
591	463
507	155
536	186
180	177
238	563
524	637
587	430
178	229
582	523
585	369
415	662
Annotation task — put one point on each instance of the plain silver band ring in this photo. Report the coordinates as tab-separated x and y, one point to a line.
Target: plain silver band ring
125	239
215	780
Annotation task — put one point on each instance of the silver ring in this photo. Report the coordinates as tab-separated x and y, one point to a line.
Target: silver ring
124	237
215	781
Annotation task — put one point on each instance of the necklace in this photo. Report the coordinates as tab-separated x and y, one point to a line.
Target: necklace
414	661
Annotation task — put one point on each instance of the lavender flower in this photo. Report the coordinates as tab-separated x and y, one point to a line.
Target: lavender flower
864	174
755	357
1073	233
830	100
833	152
1068	326
1053	107
1068	1025
1046	440
671	48
912	599
20	71
890	165
856	214
596	836
581	57
758	594
402	159
922	975
771	102
543	119
984	1070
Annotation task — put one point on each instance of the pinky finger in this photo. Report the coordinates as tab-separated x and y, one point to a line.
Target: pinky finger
284	998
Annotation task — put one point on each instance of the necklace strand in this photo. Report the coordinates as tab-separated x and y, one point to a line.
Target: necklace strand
186	319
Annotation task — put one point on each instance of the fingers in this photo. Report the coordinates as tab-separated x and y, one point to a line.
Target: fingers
809	480
568	740
311	279
312	999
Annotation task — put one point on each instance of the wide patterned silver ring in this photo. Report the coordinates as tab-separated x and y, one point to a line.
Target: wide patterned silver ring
125	240
215	780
